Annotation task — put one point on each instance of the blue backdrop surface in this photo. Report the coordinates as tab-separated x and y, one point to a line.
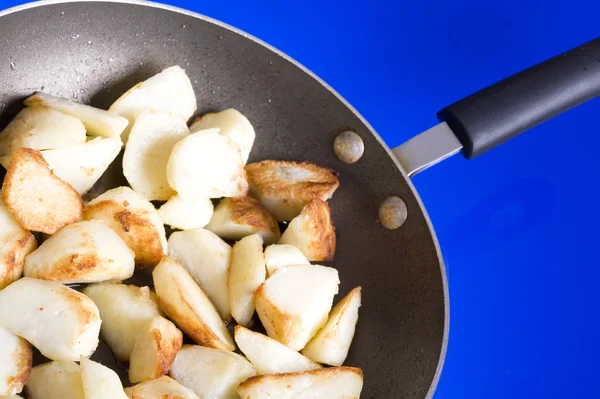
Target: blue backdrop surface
518	226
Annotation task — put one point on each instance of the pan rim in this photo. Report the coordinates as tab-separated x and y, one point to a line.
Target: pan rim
193	14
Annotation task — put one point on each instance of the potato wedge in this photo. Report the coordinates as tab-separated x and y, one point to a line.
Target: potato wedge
134	219
147	152
246	273
206	258
312	232
125	310
168	91
281	255
207	165
232	124
211	373
184	302
15	244
236	218
154	351
270	356
294	302
161	388
39	200
82	252
41	128
330	383
332	343
15	362
55	380
285	187
100	382
186	215
97	122
28	308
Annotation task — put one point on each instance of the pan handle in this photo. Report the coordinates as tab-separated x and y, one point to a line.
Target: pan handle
506	109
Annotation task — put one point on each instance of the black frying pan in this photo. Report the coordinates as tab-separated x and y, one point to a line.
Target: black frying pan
92	52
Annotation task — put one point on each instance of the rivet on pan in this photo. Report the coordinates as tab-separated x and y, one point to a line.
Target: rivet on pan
393	213
348	147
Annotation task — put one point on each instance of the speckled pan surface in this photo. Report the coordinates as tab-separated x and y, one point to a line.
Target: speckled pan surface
93	51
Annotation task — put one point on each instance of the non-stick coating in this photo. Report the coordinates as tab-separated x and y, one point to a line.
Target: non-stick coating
94	51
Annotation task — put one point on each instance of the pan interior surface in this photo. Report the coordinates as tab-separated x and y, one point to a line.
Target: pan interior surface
94	51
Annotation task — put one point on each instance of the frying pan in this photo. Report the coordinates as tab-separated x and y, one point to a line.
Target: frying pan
92	51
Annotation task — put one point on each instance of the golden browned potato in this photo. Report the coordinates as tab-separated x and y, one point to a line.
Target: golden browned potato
55	380
15	362
15	244
161	388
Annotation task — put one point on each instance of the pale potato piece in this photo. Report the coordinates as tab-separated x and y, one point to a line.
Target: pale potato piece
294	302
147	152
312	232
154	351
184	302
134	219
15	362
41	128
55	380
246	273
236	218
100	382
211	373
232	124
332	343
270	356
168	91
161	388
125	310
330	383
207	165
15	244
97	122
29	307
82	252
186	215
206	258
281	255
285	187
39	200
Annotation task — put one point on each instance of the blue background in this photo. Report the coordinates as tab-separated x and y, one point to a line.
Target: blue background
518	226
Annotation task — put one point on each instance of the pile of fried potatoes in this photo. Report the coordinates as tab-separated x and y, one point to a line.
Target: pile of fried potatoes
56	150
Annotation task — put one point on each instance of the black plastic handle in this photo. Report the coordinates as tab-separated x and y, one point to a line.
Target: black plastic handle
500	112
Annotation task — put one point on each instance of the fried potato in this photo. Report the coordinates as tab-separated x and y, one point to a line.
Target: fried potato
332	343
281	255
15	362
100	382
82	252
312	232
232	124
285	187
236	218
186	215
294	302
161	388
246	273
41	128
125	310
206	258
184	302
270	356
28	308
15	244
207	165
55	380
211	373
39	200
154	351
97	122
134	219
147	152
330	383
